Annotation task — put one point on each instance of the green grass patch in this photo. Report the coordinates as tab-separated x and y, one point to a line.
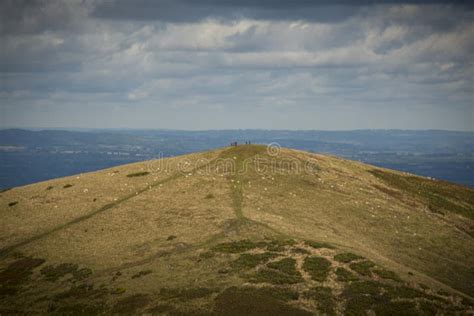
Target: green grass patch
279	245
387	274
347	257
317	267
363	267
185	294
253	301
118	291
300	251
237	246
247	261
286	265
363	287
439	195
131	305
160	309
318	245
138	174
404	292
275	277
16	274
82	291
345	275
324	299
206	255
396	308
362	296
141	273
53	273
80	309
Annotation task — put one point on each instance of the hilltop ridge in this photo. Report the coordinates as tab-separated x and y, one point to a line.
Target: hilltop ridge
206	232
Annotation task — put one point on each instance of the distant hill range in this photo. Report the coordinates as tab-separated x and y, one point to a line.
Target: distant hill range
239	230
28	156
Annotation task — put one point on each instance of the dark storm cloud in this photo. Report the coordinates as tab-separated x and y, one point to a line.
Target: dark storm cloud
302	64
36	16
177	11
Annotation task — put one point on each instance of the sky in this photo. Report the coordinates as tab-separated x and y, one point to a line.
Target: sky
237	64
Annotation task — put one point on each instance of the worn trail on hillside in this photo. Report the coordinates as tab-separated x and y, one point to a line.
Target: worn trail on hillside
237	197
236	189
5	251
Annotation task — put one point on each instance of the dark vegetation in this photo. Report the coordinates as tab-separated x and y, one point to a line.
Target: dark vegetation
345	275
255	301
13	203
16	274
441	196
131	304
275	277
363	267
247	261
317	267
276	273
317	245
141	273
67	186
138	174
324	299
387	274
347	257
53	273
184	294
286	265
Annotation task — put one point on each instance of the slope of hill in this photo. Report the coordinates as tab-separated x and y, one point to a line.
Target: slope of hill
239	230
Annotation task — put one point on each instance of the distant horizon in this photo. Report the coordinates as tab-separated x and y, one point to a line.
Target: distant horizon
228	129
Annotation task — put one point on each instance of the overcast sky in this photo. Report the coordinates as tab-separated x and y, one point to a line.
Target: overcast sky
220	64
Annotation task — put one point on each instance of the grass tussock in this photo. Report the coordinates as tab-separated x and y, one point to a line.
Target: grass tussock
317	267
138	174
324	299
254	301
275	277
347	257
82	291
13	203
248	261
141	273
387	274
80	309
286	265
53	273
345	275
237	246
16	274
318	245
185	294
131	304
363	267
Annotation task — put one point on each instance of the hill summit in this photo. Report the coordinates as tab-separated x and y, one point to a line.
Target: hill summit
239	230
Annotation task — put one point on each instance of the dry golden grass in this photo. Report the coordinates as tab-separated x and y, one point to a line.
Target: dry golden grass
157	231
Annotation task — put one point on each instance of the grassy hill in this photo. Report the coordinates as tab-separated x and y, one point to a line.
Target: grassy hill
239	230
